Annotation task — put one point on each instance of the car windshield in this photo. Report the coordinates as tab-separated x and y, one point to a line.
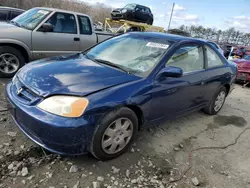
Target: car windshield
130	6
136	54
31	18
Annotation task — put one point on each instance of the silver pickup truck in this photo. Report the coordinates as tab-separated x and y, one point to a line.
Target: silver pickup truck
44	32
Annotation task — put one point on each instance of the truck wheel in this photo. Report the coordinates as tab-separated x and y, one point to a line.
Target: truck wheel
114	134
11	60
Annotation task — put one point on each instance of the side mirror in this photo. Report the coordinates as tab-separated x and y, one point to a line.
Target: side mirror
170	71
46	27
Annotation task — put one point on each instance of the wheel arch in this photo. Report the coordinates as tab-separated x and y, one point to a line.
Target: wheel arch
23	49
227	86
138	112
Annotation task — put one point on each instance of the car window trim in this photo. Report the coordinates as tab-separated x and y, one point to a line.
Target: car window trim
206	59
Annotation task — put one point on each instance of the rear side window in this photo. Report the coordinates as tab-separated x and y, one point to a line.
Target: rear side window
14	14
213	60
85	26
3	15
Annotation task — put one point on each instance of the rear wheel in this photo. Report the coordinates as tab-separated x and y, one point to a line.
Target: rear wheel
217	102
114	134
11	60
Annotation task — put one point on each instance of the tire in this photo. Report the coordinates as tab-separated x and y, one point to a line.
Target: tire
149	22
211	109
101	131
16	56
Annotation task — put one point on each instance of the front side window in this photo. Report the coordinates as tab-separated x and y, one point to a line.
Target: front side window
213	60
63	23
31	18
85	26
189	58
3	15
135	53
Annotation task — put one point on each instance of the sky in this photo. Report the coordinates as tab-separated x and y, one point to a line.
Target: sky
218	14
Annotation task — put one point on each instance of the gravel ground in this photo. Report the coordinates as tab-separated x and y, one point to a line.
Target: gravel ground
195	150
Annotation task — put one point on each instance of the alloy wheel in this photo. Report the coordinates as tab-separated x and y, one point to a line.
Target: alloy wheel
9	63
219	101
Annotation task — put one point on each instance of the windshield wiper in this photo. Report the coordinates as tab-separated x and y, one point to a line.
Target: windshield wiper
15	23
102	61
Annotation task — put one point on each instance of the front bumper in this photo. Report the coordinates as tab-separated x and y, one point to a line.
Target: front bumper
67	136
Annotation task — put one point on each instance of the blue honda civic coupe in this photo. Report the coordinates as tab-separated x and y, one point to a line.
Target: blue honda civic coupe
96	101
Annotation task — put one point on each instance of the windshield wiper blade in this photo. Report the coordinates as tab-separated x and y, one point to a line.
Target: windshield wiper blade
111	64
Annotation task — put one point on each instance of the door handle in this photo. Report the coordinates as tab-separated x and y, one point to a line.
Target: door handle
76	39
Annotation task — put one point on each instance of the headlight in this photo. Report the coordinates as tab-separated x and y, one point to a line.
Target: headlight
66	106
124	10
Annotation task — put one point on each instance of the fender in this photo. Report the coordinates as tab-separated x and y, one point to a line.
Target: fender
16	42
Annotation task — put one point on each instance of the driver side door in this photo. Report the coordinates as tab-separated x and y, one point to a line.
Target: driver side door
64	39
173	97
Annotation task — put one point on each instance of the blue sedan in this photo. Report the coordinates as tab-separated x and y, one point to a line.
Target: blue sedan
96	101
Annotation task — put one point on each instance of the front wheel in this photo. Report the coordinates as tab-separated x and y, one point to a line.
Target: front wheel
114	134
11	60
217	102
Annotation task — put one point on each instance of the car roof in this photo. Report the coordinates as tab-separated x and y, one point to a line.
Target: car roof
11	8
141	5
166	36
61	10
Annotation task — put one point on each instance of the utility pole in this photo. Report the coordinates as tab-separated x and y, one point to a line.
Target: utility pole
171	16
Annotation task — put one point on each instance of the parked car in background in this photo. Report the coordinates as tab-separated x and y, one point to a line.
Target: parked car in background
97	101
9	13
44	32
133	12
243	69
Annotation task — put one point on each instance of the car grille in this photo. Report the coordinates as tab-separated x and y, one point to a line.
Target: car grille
23	93
116	13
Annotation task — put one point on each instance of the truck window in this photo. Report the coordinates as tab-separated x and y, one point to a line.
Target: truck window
63	23
3	15
14	14
85	25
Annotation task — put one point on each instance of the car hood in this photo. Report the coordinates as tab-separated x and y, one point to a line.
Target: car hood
74	75
8	30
